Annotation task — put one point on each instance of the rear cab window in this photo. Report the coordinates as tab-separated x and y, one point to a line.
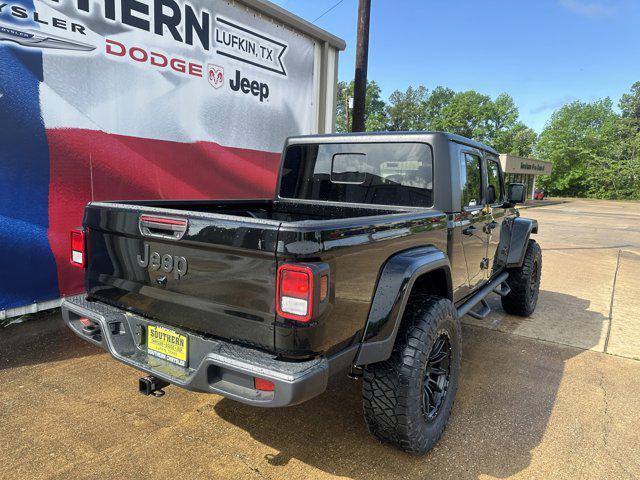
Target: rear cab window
395	174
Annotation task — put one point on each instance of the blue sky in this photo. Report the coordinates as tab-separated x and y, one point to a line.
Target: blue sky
544	53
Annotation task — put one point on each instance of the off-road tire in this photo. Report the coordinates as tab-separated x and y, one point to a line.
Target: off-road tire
393	389
525	283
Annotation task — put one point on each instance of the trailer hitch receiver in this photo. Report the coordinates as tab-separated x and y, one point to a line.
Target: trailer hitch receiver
151	385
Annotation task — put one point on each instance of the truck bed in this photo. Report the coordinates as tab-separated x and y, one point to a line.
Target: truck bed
218	277
279	211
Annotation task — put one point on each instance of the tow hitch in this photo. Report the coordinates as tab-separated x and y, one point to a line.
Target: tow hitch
151	385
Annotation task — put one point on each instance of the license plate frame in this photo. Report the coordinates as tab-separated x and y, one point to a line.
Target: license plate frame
167	344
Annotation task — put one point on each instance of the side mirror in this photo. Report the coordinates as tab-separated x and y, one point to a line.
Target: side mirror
491	195
517	193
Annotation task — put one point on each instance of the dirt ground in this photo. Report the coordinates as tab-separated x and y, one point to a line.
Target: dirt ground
551	396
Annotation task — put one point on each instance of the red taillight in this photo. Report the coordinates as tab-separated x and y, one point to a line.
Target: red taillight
77	254
295	284
263	385
294	293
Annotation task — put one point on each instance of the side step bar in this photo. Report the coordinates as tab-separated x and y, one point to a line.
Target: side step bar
494	285
481	314
503	290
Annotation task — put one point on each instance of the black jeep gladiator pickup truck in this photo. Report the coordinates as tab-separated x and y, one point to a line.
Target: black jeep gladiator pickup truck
372	250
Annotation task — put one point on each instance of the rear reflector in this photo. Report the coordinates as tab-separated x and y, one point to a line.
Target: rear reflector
77	254
294	292
324	287
263	385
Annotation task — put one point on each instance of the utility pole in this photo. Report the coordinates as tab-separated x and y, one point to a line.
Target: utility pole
362	58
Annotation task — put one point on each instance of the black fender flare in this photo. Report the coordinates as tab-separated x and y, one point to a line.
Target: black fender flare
393	288
521	230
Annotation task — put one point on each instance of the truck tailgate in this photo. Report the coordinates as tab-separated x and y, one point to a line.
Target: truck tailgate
210	273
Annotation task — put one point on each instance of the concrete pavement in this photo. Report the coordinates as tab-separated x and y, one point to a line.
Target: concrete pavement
589	292
525	409
538	397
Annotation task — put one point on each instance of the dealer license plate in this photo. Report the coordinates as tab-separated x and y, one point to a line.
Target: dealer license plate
167	345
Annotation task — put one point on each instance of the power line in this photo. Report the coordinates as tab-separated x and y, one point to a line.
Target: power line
328	10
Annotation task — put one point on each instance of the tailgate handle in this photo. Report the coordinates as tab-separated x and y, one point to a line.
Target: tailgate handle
162	227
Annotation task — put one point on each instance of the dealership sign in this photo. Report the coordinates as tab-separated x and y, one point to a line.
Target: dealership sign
249	46
228	40
520	165
131	99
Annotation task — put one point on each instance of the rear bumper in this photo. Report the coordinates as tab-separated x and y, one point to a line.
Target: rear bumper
215	366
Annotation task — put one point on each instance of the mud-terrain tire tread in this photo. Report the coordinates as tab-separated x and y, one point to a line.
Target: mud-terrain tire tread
391	409
518	301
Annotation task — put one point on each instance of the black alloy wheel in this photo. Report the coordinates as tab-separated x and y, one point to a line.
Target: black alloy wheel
435	384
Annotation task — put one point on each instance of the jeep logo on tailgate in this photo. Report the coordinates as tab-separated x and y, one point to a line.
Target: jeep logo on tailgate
168	263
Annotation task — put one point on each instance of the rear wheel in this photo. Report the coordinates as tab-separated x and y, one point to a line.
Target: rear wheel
524	283
408	398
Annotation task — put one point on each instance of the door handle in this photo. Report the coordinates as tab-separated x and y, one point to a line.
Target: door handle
469	230
162	227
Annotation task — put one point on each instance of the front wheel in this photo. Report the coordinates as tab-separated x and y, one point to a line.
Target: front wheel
524	282
408	399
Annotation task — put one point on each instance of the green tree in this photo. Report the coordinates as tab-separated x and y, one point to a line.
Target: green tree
375	116
502	123
434	105
467	114
630	107
522	142
593	150
630	103
470	114
406	111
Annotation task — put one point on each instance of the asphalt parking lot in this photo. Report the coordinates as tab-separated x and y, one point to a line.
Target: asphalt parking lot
552	396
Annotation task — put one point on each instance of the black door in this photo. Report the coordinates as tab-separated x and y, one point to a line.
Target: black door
494	198
473	218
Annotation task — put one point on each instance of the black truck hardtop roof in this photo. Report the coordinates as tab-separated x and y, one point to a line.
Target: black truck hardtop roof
368	137
448	194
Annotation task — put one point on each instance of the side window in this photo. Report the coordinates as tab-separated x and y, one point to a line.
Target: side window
494	186
471	180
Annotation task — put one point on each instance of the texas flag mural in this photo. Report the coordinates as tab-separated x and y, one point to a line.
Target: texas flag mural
144	99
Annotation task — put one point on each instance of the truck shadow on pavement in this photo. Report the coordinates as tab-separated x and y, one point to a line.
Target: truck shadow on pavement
505	399
44	338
